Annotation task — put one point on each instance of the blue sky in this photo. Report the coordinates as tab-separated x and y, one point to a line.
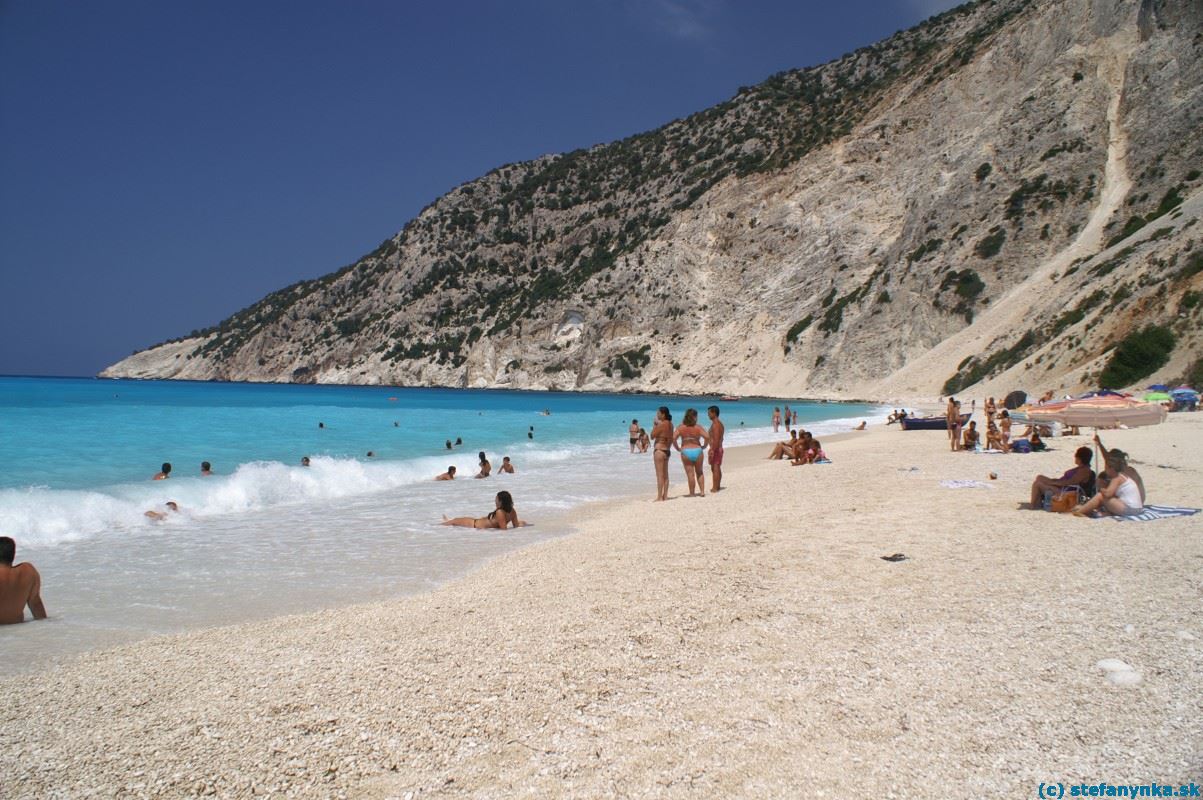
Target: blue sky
164	163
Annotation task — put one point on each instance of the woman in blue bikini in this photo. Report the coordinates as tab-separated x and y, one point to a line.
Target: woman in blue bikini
690	440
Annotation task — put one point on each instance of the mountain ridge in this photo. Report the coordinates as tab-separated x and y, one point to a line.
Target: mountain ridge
853	228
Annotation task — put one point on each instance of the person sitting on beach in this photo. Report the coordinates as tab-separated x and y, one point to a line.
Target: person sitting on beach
164	473
1111	457
994	440
690	441
890	420
860	427
206	469
506	466
158	516
803	449
783	449
449	475
971	437
1121	495
20	586
1037	444
501	517
1080	475
644	440
485	467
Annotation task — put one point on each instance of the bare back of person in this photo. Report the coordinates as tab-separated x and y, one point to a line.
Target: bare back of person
20	586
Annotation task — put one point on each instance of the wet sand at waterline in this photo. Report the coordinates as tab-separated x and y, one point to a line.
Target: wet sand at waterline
752	644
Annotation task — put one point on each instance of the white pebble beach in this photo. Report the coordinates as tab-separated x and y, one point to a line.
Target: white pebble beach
749	644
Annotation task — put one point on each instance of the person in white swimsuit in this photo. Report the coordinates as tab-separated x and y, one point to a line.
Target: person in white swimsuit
1122	495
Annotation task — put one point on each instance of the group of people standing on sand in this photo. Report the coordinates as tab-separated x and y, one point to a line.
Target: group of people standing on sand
962	436
692	441
790	418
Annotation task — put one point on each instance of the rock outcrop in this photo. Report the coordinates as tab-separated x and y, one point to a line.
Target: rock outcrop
991	199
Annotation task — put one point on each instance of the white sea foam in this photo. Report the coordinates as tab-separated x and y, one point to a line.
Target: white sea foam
40	516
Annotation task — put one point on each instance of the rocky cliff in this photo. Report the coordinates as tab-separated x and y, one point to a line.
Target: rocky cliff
994	198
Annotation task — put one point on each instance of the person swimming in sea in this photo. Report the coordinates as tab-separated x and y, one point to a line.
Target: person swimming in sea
485	467
206	469
304	461
449	446
690	440
164	473
500	518
506	466
449	475
159	516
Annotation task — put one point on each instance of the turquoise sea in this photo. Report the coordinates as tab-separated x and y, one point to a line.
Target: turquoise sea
263	535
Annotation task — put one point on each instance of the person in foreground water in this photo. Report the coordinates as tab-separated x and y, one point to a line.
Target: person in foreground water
20	586
449	475
501	517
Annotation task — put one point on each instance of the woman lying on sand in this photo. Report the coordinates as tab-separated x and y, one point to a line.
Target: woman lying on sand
501	517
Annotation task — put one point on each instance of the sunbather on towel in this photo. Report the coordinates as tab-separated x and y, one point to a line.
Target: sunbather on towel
1122	496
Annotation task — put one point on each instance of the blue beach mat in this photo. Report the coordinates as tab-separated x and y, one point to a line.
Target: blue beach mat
1157	512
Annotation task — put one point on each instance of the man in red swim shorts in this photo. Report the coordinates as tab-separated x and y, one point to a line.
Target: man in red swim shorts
715	438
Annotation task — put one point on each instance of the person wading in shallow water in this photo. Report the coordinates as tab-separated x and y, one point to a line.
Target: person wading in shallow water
20	586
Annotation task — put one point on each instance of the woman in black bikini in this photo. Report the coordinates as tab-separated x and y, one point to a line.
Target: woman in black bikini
662	442
502	517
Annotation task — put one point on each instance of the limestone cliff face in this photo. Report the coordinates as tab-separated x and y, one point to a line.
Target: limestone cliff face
992	198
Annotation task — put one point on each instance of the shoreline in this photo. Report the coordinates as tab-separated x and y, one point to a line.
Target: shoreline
823	400
754	648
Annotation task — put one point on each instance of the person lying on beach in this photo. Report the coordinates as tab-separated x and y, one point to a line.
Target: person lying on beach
1121	496
20	586
172	507
1110	472
506	466
1079	475
971	436
164	473
784	449
449	475
501	517
485	467
690	441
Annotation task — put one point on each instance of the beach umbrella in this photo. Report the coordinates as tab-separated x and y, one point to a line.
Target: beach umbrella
1102	393
1107	411
1183	389
1015	399
1156	397
1157	387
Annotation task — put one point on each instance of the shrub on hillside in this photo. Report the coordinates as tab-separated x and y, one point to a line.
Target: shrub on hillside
1139	355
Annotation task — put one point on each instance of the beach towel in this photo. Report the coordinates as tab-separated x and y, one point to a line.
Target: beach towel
949	483
1157	512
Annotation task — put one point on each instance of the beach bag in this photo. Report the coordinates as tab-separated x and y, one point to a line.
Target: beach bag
1064	502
